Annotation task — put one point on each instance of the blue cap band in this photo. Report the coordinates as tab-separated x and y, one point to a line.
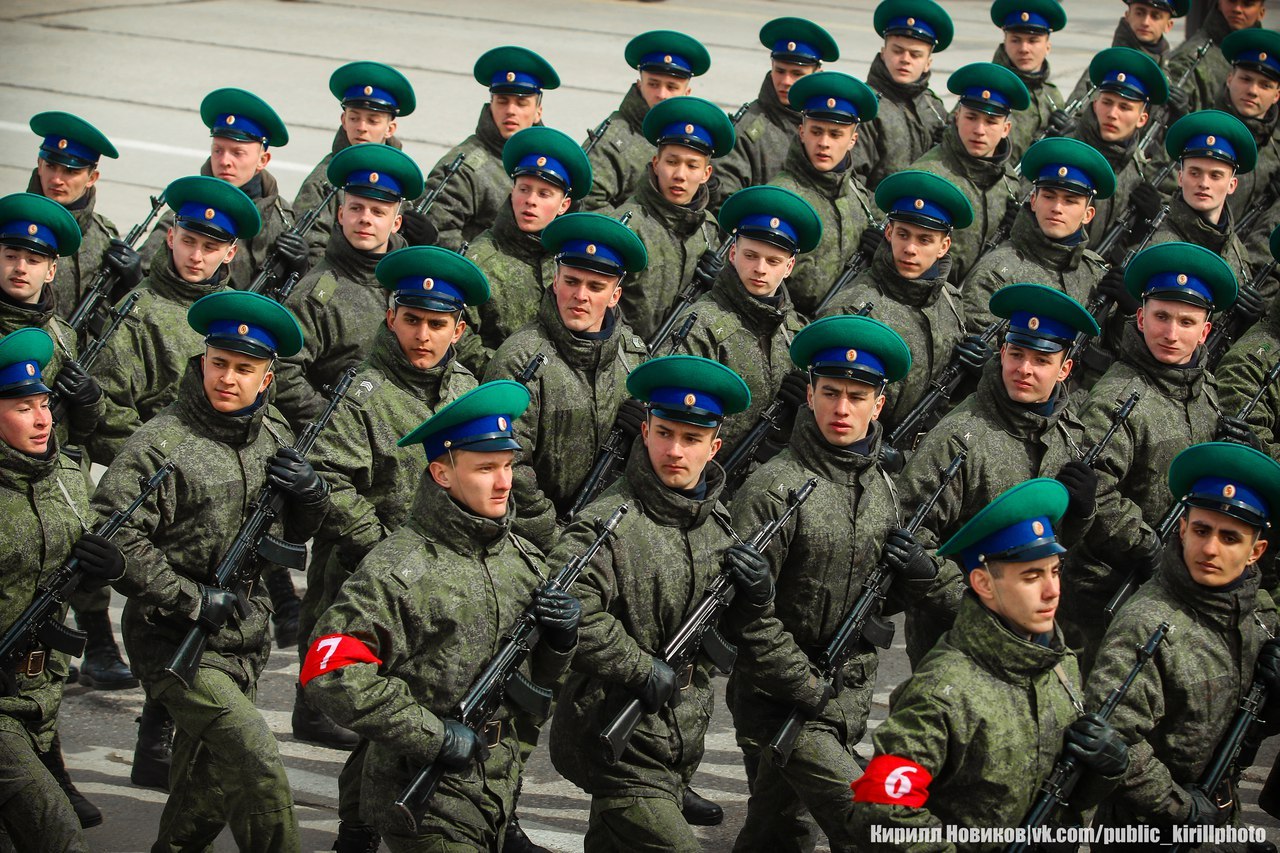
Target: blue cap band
916	27
763	222
381	182
1260	58
1064	173
830	104
597	253
1126	84
686	400
848	358
201	214
1178	284
240	125
1026	20
665	60
986	96
520	80
21	376
785	47
1033	325
920	207
491	432
687	133
236	331
1022	542
1213	145
547	168
1229	494
65	146
29	232
370	93
417	288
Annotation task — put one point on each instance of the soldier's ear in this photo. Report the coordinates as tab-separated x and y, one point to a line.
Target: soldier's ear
94	174
441	473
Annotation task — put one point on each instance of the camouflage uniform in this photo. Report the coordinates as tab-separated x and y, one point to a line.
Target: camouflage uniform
1251	191
226	766
1130	167
619	159
470	202
574	401
1125	37
1211	74
433	602
75	274
40	529
844	207
1045	98
765	133
910	118
1186	225
1240	375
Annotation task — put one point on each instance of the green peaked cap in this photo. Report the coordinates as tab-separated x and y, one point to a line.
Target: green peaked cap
924	199
1213	134
1227	477
237	114
989	88
1182	272
1040	317
689	389
828	95
551	156
774	215
70	140
245	322
923	20
1256	48
1130	73
595	240
377	171
514	70
432	278
1017	526
24	353
481	420
1068	164
692	122
799	41
38	224
373	86
213	207
849	346
1031	15
668	52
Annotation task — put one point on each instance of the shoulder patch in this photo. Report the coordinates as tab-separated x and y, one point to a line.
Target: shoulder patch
167	440
363	389
324	288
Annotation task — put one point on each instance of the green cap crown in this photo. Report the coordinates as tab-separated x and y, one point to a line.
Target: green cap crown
481	420
1129	73
70	140
989	88
689	389
1040	317
774	215
376	171
213	207
246	322
595	241
432	278
691	122
1029	15
668	52
1068	164
373	86
237	114
1017	526
799	41
1213	134
514	70
1182	272
551	156
24	353
828	95
922	198
1255	48
849	346
923	20
1226	477
38	224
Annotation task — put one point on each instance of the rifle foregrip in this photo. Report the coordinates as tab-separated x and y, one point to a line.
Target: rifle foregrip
412	802
784	742
186	660
617	734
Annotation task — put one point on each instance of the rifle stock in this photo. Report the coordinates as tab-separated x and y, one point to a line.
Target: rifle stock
423	207
300	228
940	391
688	295
100	287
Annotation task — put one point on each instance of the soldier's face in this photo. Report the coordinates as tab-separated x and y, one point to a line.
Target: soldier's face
1252	93
424	336
536	202
980	133
761	266
362	125
1030	375
680	171
1118	118
367	223
1027	51
1205	184
1025	594
237	162
25	273
1241	14
679	452
1061	213
1148	23
583	297
62	183
826	143
916	249
1217	548
656	88
195	256
233	380
844	408
480	481
907	59
26	423
783	75
1172	329
513	113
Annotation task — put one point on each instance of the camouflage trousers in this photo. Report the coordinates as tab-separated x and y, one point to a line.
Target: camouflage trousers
34	812
638	825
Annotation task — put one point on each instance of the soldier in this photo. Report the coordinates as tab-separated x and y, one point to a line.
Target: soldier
1027	25
974	155
797	49
577	395
422	616
1251	94
1177	286
373	97
635	594
1241	371
43	499
1018	424
819	169
1225	17
911	117
820	562
667	62
243	127
907	284
1143	27
225	442
982	721
1047	242
340	303
747	321
670	209
1206	588
470	202
550	172
67	172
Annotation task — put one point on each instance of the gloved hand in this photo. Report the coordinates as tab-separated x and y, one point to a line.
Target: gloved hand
972	353
1234	429
75	386
1112	287
1247	310
1010	214
216	605
99	559
558	613
870	240
125	264
1178	105
749	571
1081	481
708	269
1146	201
1061	123
289	471
459	746
794	391
940	132
1204	810
906	557
416	228
291	255
816	703
1268	665
631	414
658	687
1147	562
892	460
1095	744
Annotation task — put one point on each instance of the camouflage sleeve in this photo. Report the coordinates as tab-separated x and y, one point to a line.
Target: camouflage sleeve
1119	528
1240	375
295	396
82	421
117	372
918	481
456	204
606	173
983	280
155	243
309	196
731	172
470	348
344	457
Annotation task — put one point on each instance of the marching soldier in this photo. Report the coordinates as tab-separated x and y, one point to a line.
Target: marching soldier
1143	27
1251	94
1240	374
225	442
469	204
1224	18
974	155
576	397
911	117
819	169
984	718
427	609
67	172
667	62
797	48
1027	26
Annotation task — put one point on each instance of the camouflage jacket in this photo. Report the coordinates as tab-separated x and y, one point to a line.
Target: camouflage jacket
1045	98
765	133
907	125
470	202
574	400
619	159
1130	167
1240	375
1251	191
1211	73
1125	37
1186	225
76	273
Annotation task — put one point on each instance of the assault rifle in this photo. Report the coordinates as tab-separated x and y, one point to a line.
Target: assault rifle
688	295
1154	128
115	317
424	205
1119	415
594	136
851	270
1225	332
301	226
739	113
1124	222
100	287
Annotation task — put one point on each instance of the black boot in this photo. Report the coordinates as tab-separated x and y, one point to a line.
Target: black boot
86	811
153	753
516	841
102	667
311	724
356	838
286	606
698	811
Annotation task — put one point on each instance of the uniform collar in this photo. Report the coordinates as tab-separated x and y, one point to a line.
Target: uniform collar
1035	244
668	507
760	318
445	522
843	465
1226	608
424	385
19	470
882	81
1181	383
916	293
985	638
199	415
584	355
680	219
830	184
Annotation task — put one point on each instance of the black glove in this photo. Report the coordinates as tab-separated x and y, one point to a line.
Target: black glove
1268	665
1146	201
75	386
1095	744
288	470
125	264
892	460
291	255
1061	123
1178	105
817	704
870	240
1081	481
459	746
1204	810
972	354
1010	214
216	605
1236	430
99	559
1112	287
795	390
708	269
1248	310
940	132
749	571
1147	562
558	613
658	687
416	228
631	414
906	557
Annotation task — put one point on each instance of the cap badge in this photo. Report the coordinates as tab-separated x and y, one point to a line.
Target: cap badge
1182	278
502	422
1037	527
31	369
542	161
919	204
690	399
511	76
986	94
851	355
209	213
667	59
791	45
428	284
1121	77
242	329
688	128
1229	490
373	177
1062	171
911	22
1026	16
1033	323
774	222
447	444
62	143
231	120
591	248
1211	139
1262	57
831	102
32	229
